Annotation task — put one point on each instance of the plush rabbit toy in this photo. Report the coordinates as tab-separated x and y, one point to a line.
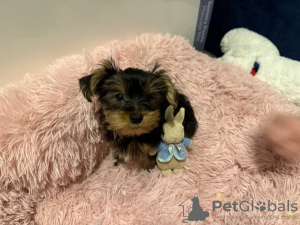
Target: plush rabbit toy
171	152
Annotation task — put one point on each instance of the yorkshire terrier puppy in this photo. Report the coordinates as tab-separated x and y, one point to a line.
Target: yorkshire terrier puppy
132	109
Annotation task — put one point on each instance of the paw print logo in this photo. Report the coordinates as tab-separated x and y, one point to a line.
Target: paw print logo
260	206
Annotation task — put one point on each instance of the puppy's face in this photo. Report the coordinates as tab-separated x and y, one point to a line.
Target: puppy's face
131	99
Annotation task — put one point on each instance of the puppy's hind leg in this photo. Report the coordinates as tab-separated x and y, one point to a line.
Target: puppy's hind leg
148	162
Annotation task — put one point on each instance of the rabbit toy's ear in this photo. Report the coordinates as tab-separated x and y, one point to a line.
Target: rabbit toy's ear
169	116
180	115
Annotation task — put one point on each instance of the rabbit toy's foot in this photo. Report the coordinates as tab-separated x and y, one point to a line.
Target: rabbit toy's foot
177	171
166	173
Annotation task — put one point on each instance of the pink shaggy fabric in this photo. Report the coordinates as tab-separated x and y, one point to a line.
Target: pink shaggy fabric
50	142
49	138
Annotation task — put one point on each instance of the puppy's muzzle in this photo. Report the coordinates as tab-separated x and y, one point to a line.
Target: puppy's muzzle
136	118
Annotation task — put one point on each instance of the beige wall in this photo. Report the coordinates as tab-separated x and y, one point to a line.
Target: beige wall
36	32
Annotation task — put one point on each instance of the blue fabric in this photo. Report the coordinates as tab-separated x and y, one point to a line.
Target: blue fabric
164	155
277	20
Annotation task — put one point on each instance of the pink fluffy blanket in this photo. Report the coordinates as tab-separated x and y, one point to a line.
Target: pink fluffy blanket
54	162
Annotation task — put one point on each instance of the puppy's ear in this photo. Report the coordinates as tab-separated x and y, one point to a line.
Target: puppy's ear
171	91
84	84
88	84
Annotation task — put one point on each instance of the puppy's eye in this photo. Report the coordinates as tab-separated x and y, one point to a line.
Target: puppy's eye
119	97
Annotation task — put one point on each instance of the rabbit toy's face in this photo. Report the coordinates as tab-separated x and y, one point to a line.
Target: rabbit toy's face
173	128
174	135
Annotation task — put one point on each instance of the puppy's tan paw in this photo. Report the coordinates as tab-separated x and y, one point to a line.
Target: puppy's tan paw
152	152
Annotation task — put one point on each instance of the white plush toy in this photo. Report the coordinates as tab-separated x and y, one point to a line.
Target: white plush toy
261	58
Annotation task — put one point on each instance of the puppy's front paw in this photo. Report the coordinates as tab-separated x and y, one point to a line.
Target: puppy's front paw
152	152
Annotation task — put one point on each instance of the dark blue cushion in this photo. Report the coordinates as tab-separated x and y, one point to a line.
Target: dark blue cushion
277	20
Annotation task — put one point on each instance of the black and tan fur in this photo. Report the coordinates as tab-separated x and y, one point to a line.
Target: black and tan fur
133	102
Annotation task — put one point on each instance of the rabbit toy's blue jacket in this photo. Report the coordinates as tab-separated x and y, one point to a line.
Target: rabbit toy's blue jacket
166	152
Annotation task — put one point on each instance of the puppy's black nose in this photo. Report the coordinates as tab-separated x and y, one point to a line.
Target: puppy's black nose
136	118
